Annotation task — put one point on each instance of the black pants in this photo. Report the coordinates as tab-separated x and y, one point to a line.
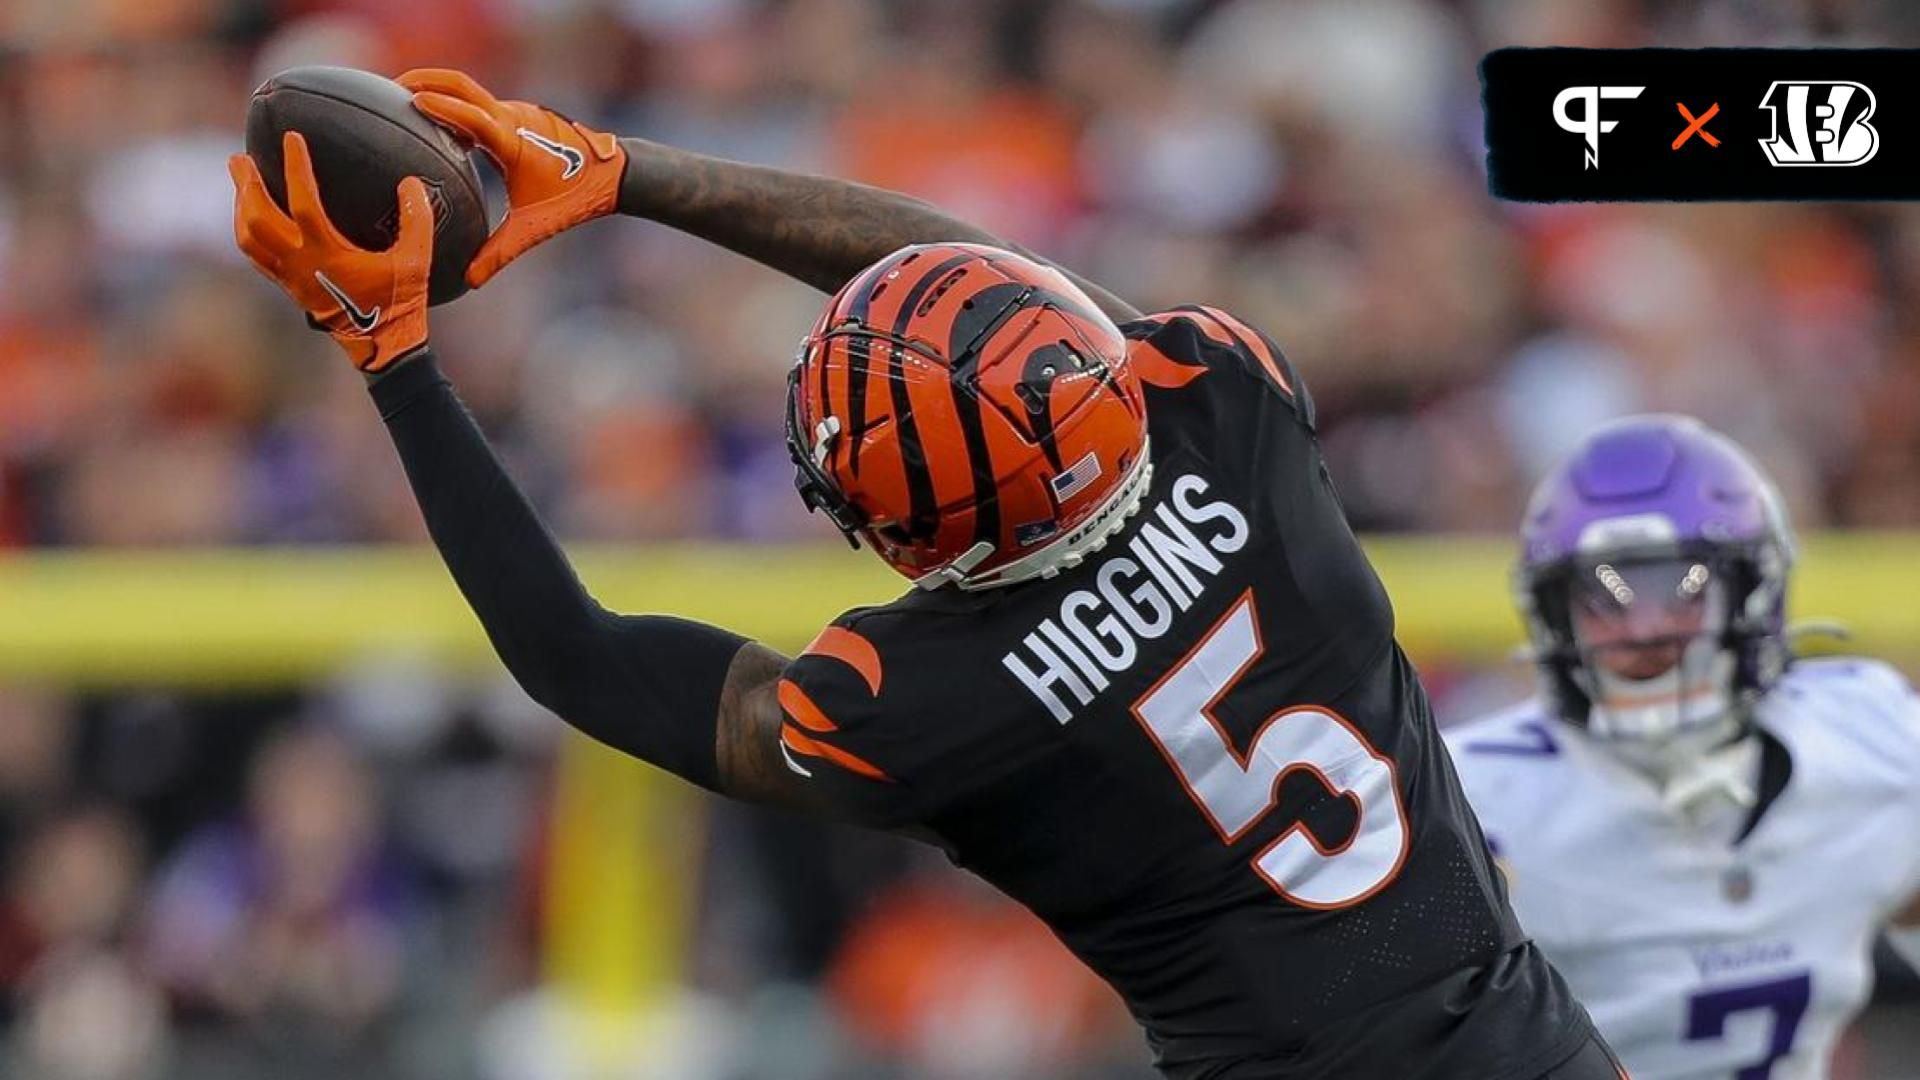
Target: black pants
1593	1061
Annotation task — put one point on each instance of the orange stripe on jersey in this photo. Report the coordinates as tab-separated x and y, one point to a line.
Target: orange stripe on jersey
850	649
1213	329
800	743
1156	368
802	709
1256	344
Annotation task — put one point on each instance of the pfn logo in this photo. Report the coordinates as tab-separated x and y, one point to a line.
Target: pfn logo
1826	124
1589	125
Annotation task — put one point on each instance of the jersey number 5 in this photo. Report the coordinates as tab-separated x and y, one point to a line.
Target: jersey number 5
1236	790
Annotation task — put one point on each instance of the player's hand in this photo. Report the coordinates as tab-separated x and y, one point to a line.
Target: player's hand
374	303
559	172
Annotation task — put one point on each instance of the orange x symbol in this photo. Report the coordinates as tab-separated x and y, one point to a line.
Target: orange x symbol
1697	125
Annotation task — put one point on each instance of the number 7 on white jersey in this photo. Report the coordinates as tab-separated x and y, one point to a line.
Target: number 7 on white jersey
1235	791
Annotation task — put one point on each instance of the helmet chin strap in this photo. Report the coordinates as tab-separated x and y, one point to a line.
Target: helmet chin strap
955	572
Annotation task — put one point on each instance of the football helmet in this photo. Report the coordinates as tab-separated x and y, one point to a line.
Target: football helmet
1653	578
971	415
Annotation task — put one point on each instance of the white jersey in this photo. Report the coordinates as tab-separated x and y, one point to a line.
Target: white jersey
1700	957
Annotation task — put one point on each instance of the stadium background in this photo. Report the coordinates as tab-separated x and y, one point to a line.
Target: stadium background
267	807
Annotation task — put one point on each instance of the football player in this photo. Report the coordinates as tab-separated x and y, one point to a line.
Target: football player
1703	833
1144	680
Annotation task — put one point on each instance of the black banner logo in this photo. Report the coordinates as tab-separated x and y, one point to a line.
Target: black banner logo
1702	124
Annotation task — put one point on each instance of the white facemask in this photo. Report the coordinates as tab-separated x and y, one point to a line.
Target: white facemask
1681	727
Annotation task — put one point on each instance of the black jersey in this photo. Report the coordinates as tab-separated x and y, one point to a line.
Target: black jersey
1202	759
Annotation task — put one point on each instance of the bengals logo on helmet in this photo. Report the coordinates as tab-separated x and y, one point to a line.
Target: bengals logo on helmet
971	414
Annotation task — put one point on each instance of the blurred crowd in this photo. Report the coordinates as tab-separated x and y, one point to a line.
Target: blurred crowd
279	886
364	879
1313	165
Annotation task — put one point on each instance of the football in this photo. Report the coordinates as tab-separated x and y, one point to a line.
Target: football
365	137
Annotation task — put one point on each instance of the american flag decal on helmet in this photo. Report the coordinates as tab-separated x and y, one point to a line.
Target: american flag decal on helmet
1075	479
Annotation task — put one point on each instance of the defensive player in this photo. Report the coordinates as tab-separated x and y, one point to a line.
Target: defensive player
1145	681
1704	834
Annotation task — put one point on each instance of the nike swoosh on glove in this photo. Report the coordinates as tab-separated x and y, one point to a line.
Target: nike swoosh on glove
374	303
559	172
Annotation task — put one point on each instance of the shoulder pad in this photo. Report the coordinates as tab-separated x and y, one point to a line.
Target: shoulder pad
835	730
1174	347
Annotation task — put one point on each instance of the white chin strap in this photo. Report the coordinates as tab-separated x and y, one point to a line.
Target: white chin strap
1063	552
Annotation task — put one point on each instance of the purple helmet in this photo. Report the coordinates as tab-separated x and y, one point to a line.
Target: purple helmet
1640	498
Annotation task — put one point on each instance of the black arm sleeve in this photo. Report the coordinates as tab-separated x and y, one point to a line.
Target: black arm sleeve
646	685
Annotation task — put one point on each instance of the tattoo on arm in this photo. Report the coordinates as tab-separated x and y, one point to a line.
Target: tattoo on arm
747	735
747	747
819	230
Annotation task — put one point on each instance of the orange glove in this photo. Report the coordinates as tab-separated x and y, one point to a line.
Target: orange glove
374	303
559	173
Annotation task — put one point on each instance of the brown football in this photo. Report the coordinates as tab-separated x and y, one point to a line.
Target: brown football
365	137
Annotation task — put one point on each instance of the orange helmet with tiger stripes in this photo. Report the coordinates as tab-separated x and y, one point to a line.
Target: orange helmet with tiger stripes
971	414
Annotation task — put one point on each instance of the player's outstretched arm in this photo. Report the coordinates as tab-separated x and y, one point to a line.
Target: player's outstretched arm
690	698
561	173
693	699
817	229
